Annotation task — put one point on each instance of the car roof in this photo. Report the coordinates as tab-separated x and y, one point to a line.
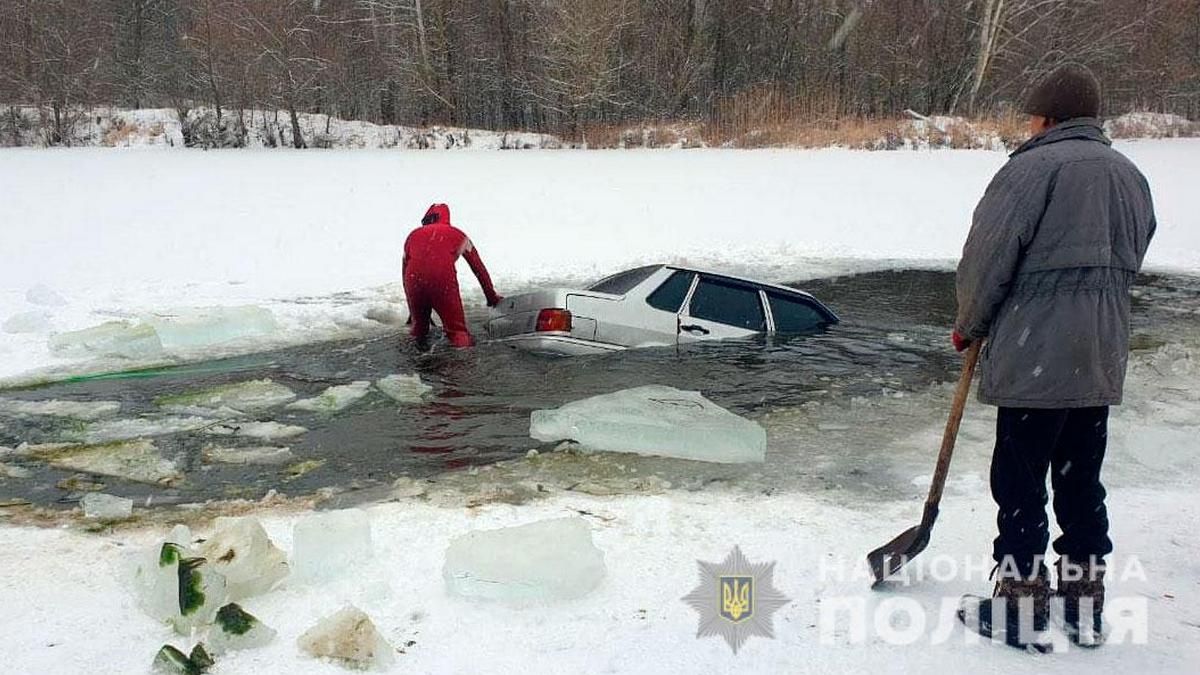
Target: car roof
730	277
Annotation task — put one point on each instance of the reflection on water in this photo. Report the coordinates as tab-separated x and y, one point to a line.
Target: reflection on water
893	339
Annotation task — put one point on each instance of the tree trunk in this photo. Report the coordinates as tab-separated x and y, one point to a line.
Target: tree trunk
297	137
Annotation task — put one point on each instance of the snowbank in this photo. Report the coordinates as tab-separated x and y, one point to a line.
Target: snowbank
315	238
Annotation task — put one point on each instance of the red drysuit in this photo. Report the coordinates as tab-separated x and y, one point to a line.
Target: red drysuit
430	282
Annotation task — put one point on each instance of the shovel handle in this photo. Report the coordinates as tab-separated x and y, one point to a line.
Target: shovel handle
952	423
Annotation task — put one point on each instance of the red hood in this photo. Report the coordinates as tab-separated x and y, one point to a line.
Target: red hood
437	213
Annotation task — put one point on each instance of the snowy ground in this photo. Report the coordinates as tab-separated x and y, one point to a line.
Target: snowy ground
315	238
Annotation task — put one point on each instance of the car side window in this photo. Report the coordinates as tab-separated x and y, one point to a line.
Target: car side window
728	303
623	282
669	296
794	315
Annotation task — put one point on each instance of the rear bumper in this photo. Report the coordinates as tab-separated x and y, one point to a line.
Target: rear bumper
563	345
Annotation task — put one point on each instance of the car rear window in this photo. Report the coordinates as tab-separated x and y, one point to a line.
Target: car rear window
793	314
728	303
623	282
669	296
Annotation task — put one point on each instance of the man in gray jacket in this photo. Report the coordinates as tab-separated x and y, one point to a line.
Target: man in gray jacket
1045	275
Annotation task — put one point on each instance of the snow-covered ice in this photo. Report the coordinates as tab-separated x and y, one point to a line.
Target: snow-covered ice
240	550
335	398
350	637
403	388
328	544
540	561
100	505
27	322
654	420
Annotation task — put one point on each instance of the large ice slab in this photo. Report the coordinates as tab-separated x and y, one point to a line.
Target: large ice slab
108	507
80	410
334	399
654	420
107	431
138	460
240	550
544	560
114	338
350	638
403	388
326	544
188	327
248	455
244	397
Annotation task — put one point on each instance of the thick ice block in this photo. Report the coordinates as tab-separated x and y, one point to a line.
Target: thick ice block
349	637
235	628
240	550
191	327
326	544
80	410
251	455
654	420
106	431
544	560
114	338
263	431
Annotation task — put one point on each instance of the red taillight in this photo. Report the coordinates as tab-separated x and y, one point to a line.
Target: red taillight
554	320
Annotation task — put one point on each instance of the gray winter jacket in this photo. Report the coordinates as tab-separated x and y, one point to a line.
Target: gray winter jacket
1045	274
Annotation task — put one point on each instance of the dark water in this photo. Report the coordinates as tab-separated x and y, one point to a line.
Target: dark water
893	336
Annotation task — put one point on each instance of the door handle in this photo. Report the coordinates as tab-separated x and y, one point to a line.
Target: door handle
693	328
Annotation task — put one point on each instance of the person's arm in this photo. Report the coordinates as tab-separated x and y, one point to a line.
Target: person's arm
480	270
1005	221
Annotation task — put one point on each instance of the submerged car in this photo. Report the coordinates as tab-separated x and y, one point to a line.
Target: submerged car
652	306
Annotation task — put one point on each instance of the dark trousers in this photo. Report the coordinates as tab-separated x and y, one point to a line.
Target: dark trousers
1070	444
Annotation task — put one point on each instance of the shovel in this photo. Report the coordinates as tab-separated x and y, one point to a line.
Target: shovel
886	559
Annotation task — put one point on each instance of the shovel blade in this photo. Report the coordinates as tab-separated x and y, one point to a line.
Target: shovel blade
887	559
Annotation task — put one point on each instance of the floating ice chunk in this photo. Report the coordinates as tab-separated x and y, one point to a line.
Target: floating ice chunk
202	326
114	338
544	560
404	388
246	397
263	431
137	460
80	410
335	398
654	420
27	322
240	550
107	431
108	507
349	637
254	455
41	294
325	544
385	314
237	629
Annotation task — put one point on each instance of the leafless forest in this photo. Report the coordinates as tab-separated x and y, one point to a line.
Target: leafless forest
564	66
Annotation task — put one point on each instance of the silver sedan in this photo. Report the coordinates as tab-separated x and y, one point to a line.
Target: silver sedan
652	306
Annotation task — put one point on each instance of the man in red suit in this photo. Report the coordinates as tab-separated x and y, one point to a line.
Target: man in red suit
430	281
